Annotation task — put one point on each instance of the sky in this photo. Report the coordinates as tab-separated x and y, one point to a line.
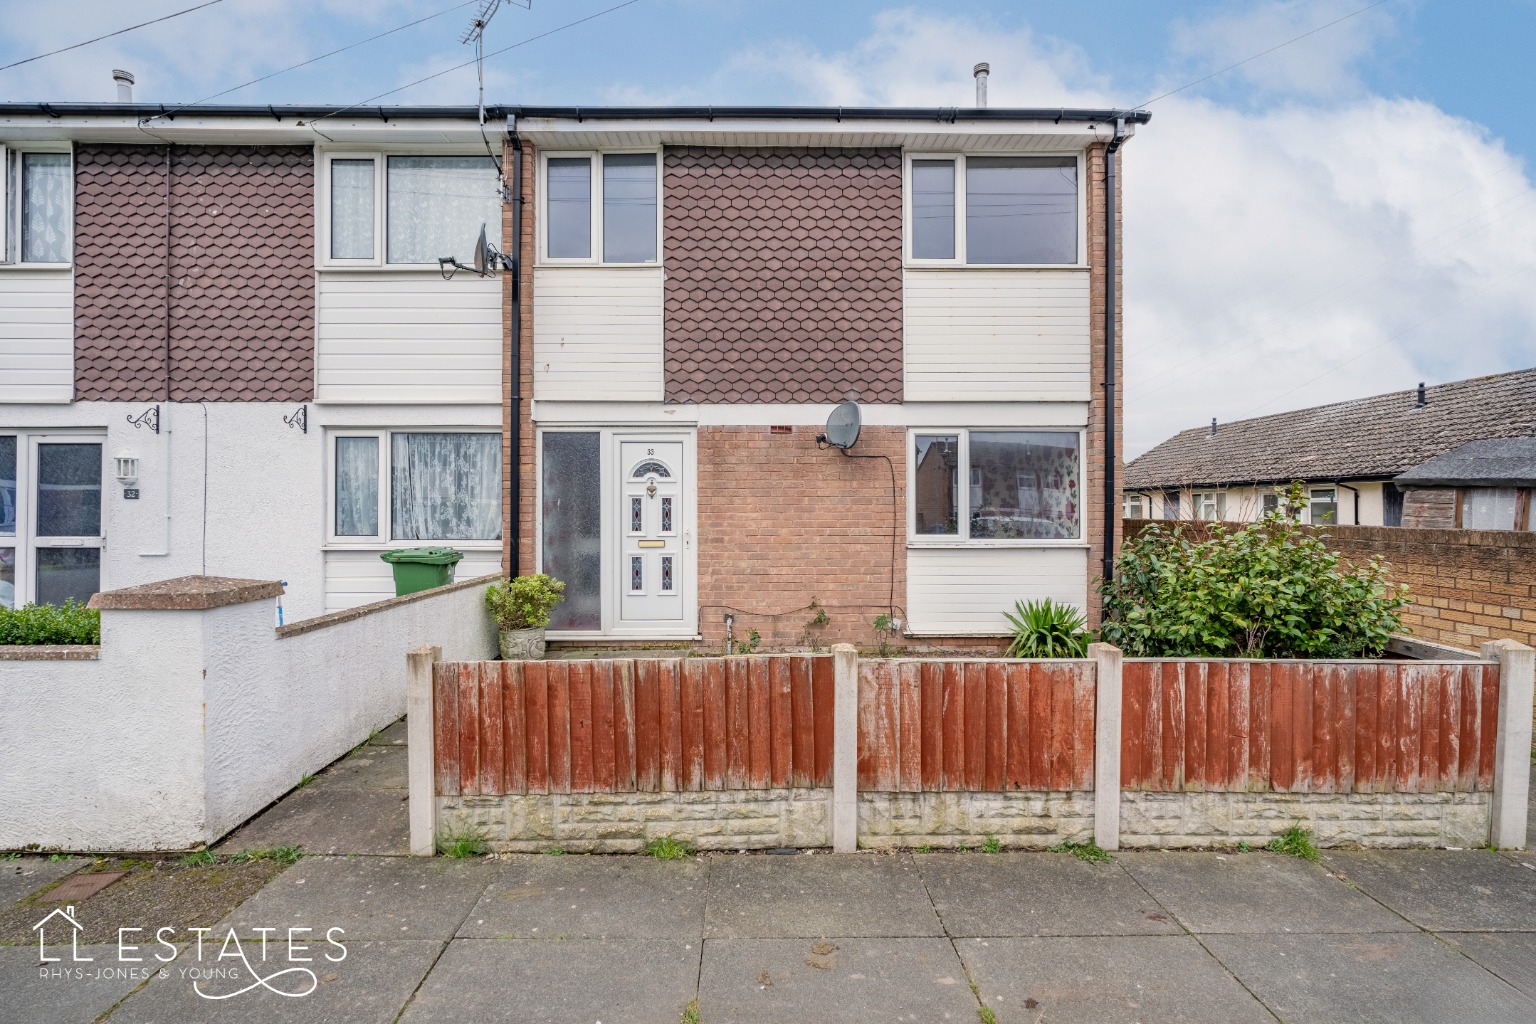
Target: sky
1348	215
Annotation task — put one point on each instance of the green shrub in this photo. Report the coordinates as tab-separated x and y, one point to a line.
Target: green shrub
523	602
71	623
1045	629
1270	589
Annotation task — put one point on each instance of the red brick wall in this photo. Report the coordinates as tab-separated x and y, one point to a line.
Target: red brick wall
781	524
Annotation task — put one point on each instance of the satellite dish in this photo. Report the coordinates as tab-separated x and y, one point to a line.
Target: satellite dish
480	253
843	426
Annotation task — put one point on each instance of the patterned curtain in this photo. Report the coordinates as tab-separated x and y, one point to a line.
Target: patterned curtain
45	203
357	487
437	205
445	486
351	209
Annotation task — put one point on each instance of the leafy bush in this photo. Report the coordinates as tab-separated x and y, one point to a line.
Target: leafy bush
73	623
1270	589
1045	629
523	602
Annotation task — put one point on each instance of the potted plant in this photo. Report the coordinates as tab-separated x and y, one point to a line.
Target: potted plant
521	607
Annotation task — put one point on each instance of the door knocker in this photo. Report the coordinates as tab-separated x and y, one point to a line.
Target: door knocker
650	487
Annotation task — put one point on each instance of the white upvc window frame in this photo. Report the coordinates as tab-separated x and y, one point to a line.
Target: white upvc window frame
541	219
1311	491
1142	510
382	541
1218	502
380	158
11	197
959	261
963	539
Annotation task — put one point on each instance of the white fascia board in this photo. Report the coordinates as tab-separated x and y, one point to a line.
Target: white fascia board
187	127
569	133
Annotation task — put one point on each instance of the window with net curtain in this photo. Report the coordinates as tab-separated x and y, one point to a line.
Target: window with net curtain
436	206
46	199
442	487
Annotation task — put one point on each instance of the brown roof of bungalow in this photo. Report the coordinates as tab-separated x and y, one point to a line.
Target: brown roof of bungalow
1379	436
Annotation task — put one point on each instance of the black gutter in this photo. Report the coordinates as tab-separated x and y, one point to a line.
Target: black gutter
1319	481
515	356
943	115
1112	509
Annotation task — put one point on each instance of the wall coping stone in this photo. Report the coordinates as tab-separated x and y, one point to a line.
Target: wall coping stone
348	614
50	652
186	593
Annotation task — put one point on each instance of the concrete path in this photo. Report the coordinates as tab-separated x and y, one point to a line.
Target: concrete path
1398	937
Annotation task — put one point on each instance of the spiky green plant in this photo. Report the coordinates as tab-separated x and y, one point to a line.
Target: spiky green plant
1047	629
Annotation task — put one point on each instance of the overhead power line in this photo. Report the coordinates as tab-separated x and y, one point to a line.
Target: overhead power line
1265	53
470	63
109	35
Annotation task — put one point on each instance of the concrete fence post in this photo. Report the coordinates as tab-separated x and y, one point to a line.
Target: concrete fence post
1108	662
1512	751
845	749
421	769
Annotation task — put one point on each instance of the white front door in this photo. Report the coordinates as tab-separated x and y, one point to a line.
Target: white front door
651	567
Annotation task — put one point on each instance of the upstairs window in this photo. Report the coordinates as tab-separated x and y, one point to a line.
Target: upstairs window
601	208
37	201
994	210
409	210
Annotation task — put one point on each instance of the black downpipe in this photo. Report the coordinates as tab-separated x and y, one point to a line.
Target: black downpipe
1111	509
515	355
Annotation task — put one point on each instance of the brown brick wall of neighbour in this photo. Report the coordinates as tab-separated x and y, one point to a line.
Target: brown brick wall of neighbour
784	276
1093	494
519	465
196	288
781	524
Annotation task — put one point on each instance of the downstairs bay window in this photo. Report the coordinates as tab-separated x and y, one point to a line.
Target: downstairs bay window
1021	486
404	487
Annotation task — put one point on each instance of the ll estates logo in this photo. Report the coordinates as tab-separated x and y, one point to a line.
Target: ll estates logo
216	968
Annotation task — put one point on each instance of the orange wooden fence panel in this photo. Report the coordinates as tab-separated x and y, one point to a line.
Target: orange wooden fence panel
1308	727
647	724
984	726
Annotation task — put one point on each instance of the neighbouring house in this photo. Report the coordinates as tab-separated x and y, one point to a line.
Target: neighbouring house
1350	457
1481	485
232	347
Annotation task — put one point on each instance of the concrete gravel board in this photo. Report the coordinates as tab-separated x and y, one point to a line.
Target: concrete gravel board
1038	894
770	981
27	998
372	898
1446	890
821	894
368	987
1369	979
523	981
542	897
1256	892
1130	979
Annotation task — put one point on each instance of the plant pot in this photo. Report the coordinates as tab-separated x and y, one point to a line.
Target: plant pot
522	644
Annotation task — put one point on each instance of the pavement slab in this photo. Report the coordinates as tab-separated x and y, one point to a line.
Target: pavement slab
371	768
524	981
771	981
1131	979
1038	894
368	987
819	895
391	736
330	821
25	875
28	998
1445	890
1510	955
371	898
592	897
1369	979
1256	892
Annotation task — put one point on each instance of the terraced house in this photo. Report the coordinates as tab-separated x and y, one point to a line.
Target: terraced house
255	342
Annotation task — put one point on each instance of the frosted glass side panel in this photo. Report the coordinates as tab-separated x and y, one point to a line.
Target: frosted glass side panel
570	494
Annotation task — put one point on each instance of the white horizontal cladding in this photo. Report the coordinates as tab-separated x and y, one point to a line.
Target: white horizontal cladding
910	414
360	577
963	591
407	336
597	333
37	335
996	335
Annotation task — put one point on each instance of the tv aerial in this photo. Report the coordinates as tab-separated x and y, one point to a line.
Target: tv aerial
842	427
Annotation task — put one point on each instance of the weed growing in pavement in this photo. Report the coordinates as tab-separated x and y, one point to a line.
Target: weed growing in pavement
555	852
1090	851
667	848
925	848
1296	841
690	1013
986	1015
459	843
992	845
198	857
306	780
